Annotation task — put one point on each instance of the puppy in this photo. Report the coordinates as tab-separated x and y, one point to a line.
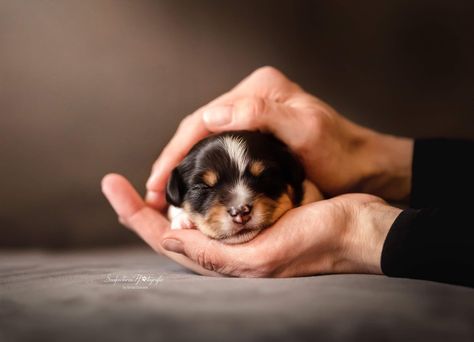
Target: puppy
232	185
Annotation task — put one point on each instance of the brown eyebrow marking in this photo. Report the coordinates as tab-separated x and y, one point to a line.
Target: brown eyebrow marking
256	168
210	177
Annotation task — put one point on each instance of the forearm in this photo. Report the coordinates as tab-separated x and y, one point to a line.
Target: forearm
431	244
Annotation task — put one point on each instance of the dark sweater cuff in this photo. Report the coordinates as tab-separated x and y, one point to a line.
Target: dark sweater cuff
432	244
395	256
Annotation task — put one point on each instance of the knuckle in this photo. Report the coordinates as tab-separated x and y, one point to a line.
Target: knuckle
268	72
231	270
250	109
275	84
206	260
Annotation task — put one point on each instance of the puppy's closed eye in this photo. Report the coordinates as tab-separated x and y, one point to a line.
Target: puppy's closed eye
200	186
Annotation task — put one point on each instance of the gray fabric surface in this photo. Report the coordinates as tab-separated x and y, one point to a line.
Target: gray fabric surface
73	297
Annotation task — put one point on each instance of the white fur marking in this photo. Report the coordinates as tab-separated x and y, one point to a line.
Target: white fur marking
179	218
241	193
173	212
237	151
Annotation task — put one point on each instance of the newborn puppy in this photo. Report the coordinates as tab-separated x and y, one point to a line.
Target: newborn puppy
234	184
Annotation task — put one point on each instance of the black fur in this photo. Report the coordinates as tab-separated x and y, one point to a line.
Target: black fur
282	168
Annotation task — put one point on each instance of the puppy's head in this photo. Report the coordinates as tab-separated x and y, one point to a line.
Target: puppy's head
234	184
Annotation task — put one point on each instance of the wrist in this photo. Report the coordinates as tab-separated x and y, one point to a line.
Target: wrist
364	244
388	169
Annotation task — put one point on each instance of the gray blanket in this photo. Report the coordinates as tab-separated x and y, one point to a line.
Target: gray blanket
134	294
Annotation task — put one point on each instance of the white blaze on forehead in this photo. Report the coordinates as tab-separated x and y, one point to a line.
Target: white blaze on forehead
237	151
241	194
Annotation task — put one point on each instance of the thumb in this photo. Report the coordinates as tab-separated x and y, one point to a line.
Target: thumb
251	113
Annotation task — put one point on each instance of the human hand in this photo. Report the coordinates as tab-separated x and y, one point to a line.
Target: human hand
342	235
149	224
338	155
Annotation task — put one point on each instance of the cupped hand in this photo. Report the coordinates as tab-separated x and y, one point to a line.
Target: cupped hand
146	222
342	235
338	155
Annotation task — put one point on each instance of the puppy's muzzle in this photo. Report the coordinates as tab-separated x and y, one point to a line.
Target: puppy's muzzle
240	214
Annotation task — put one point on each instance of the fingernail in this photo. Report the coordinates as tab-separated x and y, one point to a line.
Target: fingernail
173	245
218	116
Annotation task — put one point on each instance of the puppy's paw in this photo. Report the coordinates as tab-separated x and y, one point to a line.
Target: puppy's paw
179	218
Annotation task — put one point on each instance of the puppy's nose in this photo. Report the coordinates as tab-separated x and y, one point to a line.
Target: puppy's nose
240	214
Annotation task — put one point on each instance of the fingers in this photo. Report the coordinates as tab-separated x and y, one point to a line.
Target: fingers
132	211
190	248
147	223
243	260
256	113
121	195
265	82
190	131
209	254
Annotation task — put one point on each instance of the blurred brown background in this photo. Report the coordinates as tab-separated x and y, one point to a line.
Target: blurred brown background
89	87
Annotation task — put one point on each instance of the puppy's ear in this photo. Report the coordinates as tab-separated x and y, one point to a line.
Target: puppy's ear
175	189
295	176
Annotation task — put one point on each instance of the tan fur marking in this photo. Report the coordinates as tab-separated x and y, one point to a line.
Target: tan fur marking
216	217
264	207
212	223
256	168
272	210
311	193
265	210
291	193
284	203
210	177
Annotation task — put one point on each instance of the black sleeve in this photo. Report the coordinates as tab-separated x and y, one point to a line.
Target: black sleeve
433	244
442	172
434	239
